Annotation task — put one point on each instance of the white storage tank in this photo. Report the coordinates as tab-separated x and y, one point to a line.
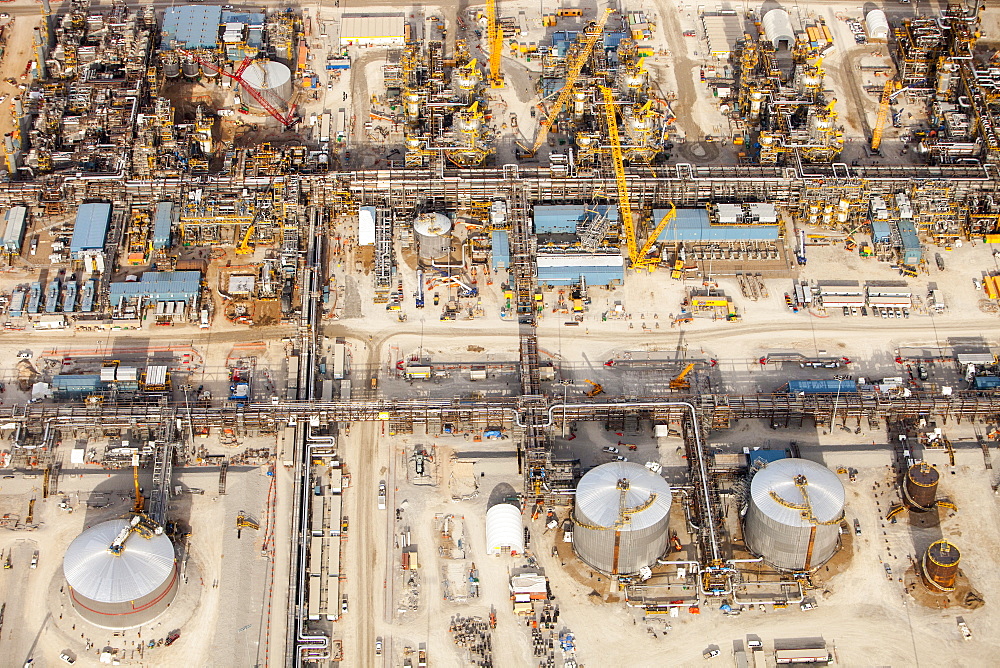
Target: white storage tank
877	24
272	80
120	583
622	514
433	235
793	519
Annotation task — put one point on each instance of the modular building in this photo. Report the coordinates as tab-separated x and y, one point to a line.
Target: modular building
696	225
371	29
163	221
566	269
15	221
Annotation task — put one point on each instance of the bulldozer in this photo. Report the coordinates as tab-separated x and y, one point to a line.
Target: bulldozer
596	388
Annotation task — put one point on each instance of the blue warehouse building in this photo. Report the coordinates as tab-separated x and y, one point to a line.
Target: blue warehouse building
560	219
91	228
191	27
695	225
163	220
567	269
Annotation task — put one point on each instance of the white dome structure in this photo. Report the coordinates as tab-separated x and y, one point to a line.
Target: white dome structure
120	590
504	531
877	24
619	542
272	80
777	25
793	520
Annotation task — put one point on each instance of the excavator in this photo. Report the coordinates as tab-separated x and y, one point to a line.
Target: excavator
596	388
680	381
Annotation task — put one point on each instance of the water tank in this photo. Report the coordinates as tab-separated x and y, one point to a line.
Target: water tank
778	29
433	238
123	590
272	80
504	531
793	519
467	79
608	539
190	68
939	566
920	486
877	24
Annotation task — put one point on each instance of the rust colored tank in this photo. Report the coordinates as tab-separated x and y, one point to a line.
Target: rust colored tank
940	566
920	486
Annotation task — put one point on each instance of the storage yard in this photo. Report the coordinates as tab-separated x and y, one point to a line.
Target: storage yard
597	334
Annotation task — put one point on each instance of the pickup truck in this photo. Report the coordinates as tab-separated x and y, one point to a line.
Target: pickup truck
381	495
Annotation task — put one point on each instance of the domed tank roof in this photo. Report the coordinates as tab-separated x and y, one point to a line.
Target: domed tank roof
93	571
432	224
266	75
777	491
598	495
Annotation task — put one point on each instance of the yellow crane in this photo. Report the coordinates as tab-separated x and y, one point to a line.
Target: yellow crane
244	247
596	388
651	262
573	69
680	382
624	205
494	36
137	507
883	112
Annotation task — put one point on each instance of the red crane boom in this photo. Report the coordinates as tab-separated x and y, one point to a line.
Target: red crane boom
238	78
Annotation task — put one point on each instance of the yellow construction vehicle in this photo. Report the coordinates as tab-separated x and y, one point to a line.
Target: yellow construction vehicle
244	246
680	381
574	66
596	388
244	521
494	37
137	507
888	93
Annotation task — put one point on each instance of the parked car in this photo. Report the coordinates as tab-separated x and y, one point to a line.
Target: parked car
610	449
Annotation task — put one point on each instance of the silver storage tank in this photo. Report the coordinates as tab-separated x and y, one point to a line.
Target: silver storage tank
120	588
619	542
793	519
272	81
433	235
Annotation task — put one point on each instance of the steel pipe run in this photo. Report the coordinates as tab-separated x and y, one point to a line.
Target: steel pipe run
317	646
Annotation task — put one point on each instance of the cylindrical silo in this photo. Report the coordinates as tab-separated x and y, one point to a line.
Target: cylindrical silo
622	514
190	68
433	235
272	81
920	486
939	566
171	66
118	577
793	520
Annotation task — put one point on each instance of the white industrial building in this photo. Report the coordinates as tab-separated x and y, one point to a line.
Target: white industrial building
373	30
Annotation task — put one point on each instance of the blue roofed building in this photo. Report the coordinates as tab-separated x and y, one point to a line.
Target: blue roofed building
500	245
163	220
172	293
91	229
561	219
191	26
695	225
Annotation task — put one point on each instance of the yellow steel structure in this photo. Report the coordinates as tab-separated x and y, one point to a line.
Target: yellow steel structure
883	113
573	70
624	206
494	36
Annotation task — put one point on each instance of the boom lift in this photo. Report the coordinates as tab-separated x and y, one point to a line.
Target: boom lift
573	69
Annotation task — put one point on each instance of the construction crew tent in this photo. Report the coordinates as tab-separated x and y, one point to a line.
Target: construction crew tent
778	29
504	532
